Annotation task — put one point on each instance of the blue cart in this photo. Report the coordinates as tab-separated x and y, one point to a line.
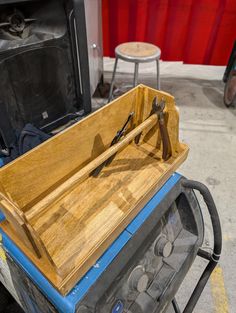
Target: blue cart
140	272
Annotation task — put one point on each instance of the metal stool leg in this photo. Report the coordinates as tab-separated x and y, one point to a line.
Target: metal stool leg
158	75
113	80
136	74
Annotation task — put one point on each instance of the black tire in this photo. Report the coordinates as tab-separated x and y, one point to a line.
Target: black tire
230	89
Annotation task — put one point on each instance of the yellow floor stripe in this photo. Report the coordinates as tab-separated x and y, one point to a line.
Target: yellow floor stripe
218	291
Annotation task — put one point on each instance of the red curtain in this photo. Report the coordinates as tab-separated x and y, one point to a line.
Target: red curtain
193	31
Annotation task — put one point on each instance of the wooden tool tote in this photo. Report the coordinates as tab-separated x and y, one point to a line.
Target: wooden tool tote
60	213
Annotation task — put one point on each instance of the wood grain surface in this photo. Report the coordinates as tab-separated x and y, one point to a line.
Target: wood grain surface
63	218
137	49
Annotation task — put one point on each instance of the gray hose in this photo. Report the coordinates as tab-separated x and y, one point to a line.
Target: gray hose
214	258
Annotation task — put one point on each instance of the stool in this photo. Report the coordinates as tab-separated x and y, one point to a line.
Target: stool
136	52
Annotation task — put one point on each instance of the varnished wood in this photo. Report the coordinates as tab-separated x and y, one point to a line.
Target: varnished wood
64	154
81	175
42	263
71	216
20	226
119	193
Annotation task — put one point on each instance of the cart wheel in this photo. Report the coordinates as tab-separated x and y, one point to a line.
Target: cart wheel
230	89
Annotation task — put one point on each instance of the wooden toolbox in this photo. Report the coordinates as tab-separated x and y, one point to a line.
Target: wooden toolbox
62	213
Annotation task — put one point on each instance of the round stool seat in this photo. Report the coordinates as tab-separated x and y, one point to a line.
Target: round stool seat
137	52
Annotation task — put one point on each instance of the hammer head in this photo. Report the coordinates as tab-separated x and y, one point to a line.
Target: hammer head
157	107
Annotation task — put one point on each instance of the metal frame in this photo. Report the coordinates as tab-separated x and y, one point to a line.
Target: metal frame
79	51
136	61
81	45
213	257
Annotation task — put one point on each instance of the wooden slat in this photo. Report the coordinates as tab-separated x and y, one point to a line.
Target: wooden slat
42	263
20	226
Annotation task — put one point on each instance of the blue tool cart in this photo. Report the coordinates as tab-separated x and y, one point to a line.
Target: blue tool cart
140	272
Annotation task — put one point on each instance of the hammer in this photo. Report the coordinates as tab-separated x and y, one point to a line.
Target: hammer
158	108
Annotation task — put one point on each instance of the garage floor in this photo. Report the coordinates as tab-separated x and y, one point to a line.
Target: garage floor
210	130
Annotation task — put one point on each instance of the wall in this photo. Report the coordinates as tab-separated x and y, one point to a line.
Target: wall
193	31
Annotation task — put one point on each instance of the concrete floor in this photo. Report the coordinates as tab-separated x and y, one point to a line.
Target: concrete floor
210	130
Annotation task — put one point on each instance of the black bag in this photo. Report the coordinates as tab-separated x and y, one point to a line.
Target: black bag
27	139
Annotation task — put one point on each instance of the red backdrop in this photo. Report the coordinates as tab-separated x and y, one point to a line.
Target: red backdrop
193	31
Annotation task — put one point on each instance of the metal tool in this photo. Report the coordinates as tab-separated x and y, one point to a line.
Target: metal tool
158	108
116	139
